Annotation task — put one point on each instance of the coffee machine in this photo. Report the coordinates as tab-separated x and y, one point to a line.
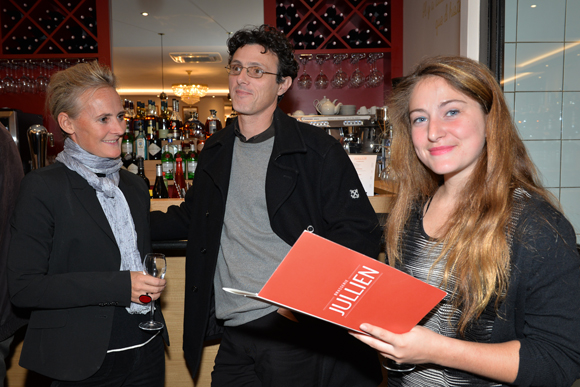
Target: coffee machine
359	134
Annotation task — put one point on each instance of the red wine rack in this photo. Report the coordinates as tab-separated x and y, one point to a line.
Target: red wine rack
329	26
54	28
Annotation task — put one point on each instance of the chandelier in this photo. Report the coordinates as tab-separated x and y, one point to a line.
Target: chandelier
190	94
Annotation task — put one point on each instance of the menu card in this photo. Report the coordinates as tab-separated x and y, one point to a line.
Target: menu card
323	279
365	167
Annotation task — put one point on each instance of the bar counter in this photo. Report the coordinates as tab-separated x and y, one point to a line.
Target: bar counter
172	301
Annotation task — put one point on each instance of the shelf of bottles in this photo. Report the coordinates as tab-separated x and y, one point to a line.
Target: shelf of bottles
155	137
340	25
48	27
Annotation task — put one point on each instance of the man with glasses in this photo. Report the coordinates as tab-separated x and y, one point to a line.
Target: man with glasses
260	182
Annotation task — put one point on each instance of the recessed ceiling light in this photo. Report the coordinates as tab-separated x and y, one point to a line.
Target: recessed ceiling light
533	5
144	13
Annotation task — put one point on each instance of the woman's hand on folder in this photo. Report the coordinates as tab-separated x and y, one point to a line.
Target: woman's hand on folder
414	347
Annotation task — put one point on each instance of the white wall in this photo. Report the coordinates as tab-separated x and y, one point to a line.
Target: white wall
430	27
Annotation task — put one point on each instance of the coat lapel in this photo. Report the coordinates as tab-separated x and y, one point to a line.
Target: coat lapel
88	199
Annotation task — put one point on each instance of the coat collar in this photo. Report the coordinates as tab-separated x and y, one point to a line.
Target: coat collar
88	198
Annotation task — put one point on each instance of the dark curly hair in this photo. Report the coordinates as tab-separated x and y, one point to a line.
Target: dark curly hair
272	40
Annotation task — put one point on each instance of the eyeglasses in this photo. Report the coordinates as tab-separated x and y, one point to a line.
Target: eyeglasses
252	71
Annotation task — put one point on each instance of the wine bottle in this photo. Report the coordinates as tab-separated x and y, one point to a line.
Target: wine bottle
331	11
280	9
281	22
318	40
291	10
159	188
312	26
141	173
337	20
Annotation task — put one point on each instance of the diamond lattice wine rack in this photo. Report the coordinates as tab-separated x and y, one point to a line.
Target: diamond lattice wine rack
49	27
321	25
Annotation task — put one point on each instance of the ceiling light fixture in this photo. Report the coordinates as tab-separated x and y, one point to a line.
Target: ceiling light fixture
189	93
196	57
144	14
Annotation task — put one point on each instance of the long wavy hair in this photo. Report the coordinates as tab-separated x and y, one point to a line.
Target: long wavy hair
474	245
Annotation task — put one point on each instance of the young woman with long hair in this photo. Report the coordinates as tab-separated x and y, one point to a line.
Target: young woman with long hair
472	218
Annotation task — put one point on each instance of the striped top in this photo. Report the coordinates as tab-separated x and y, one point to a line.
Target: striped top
419	253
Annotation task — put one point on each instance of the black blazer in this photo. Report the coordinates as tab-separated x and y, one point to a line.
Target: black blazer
64	266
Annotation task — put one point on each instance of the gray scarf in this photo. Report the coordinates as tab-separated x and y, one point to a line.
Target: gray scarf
112	201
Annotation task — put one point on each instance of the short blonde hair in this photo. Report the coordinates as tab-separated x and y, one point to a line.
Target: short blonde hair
66	87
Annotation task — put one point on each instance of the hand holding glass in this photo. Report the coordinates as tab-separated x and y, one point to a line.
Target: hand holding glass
156	266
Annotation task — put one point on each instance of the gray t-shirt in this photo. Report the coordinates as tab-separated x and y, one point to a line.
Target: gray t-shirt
249	251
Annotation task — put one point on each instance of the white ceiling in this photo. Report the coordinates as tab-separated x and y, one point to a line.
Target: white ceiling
189	26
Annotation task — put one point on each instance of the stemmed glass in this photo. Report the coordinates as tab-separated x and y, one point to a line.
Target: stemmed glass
8	82
375	77
357	78
340	77
305	80
42	80
321	81
155	265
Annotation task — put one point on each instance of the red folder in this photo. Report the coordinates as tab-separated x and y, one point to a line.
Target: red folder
323	279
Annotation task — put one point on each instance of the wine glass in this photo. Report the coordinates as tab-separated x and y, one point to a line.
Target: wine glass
155	265
357	78
42	80
375	77
390	364
321	81
305	80
8	82
340	77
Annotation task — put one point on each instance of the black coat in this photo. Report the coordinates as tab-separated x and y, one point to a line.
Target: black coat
310	183
64	265
11	172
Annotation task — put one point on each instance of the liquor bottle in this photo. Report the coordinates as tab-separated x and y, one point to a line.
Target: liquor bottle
141	173
127	143
178	153
138	119
159	188
213	124
141	145
191	164
179	179
153	140
167	163
128	116
197	130
176	124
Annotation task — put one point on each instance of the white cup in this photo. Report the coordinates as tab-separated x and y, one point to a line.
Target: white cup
362	110
373	110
